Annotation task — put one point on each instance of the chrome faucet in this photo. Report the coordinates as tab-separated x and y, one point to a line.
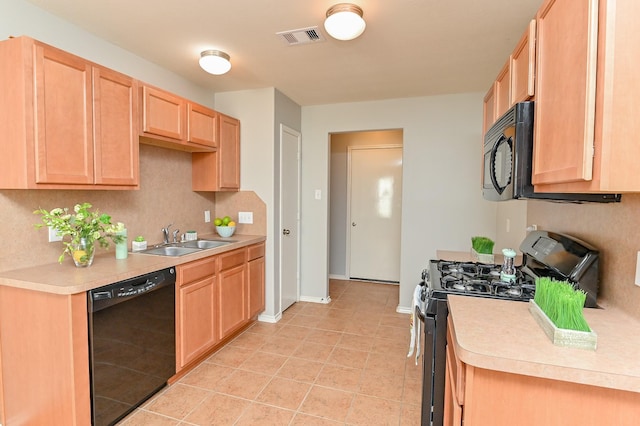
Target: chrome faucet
165	233
175	235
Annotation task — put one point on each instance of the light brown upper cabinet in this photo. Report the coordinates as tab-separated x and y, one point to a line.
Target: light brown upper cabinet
497	100
202	125
523	65
67	123
220	170
489	109
173	122
587	97
503	90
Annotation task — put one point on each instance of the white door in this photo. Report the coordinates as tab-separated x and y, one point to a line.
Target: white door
289	217
375	203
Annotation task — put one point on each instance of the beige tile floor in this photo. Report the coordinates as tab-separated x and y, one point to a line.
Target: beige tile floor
344	363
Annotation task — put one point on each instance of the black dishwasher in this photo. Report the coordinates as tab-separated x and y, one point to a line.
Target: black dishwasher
132	344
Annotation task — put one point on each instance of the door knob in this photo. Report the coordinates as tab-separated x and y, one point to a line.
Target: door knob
285	232
353	224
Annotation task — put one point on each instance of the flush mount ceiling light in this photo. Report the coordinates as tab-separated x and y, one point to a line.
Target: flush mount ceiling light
215	62
344	21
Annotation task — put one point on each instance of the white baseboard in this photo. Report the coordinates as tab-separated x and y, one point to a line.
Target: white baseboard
270	318
323	300
403	310
338	277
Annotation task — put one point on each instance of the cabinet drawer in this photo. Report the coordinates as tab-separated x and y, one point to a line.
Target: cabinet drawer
233	258
457	369
196	270
255	251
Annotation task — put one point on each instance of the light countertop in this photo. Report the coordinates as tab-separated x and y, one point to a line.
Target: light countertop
66	278
502	335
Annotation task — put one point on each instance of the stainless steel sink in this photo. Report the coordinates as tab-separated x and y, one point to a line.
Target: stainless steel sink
170	251
188	247
205	244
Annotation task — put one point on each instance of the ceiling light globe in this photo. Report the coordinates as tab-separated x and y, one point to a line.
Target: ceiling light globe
344	21
215	62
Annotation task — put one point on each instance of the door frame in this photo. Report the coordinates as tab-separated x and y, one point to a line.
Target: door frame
298	135
347	268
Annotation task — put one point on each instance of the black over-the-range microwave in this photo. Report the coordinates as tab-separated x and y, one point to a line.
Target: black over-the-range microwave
508	156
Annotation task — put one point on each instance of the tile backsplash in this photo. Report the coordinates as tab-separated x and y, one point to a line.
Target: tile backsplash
164	197
612	228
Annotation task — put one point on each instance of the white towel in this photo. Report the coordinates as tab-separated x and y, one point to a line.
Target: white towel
414	345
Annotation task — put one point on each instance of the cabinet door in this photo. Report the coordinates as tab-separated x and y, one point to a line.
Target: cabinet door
229	153
565	91
232	306
197	322
63	117
202	125
256	286
503	90
163	114
452	415
115	128
489	109
523	63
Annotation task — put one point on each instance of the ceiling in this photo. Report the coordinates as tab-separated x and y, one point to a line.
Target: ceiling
409	48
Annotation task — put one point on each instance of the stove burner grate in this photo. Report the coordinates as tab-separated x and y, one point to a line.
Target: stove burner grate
481	279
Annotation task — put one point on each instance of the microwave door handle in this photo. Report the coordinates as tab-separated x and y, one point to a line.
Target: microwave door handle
492	164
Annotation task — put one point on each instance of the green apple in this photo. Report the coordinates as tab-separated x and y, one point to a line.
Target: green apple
226	220
217	221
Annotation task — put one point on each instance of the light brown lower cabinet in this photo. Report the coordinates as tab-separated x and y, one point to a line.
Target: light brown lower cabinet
45	358
195	310
256	270
483	397
232	291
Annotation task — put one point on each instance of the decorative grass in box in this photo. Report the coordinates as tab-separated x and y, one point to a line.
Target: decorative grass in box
482	250
558	308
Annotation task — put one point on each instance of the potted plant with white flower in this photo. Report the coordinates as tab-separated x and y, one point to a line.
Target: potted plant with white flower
81	230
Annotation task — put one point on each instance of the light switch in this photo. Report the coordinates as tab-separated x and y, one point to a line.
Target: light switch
638	269
318	194
245	217
207	216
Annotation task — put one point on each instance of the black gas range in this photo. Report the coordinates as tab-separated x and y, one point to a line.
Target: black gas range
476	279
545	254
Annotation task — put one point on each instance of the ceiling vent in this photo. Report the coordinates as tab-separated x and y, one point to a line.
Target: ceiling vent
301	36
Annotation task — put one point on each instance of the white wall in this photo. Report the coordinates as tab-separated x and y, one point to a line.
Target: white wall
255	110
19	17
442	202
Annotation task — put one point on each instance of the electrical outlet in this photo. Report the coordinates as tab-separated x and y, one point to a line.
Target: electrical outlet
637	282
245	217
207	216
54	236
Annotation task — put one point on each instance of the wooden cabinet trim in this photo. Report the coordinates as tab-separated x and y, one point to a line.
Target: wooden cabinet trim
233	258
255	251
196	270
